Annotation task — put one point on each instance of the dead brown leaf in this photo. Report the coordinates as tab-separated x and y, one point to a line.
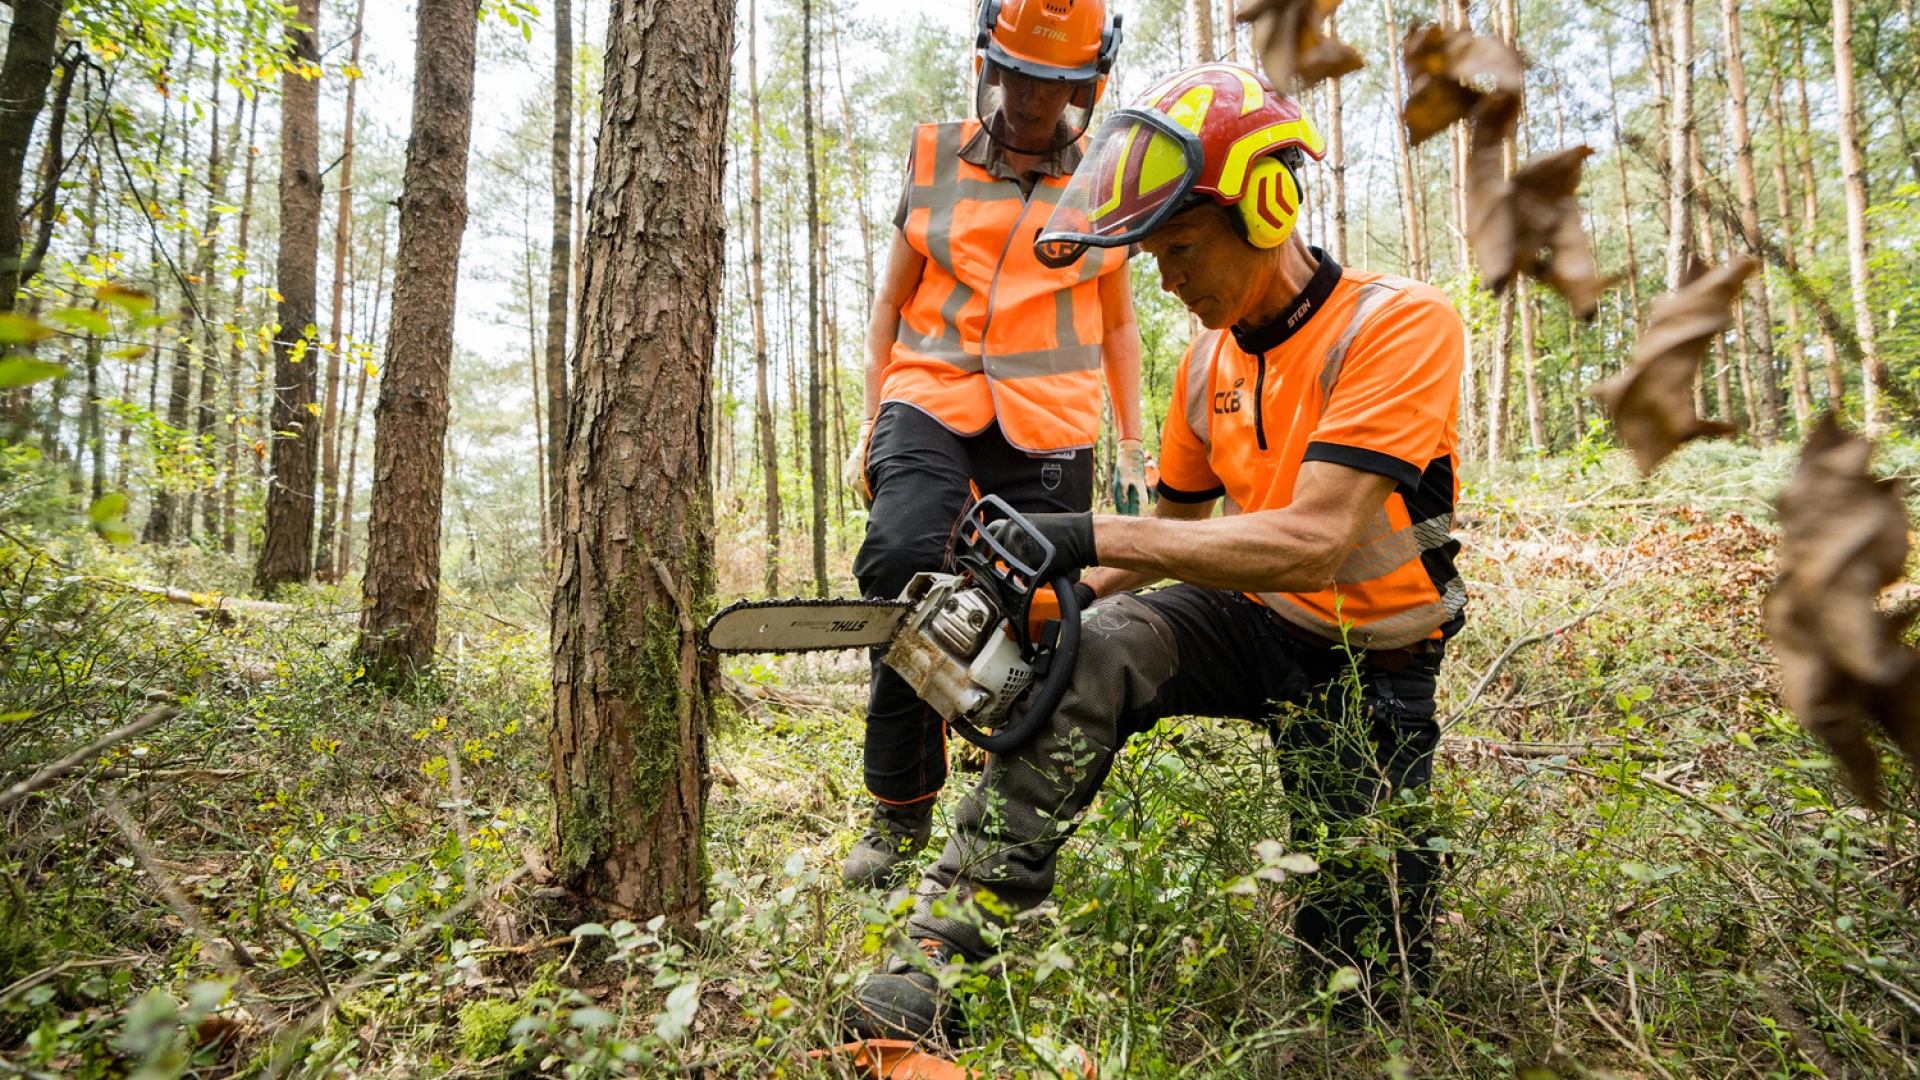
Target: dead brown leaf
1445	70
1652	401
1843	539
1529	223
1290	37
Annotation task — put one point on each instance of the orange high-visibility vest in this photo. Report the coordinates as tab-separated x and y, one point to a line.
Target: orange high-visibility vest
990	332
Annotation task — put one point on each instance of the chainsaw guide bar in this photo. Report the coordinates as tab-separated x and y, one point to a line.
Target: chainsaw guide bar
799	625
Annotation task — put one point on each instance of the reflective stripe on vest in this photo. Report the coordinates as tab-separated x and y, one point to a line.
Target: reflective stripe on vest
1380	548
989	332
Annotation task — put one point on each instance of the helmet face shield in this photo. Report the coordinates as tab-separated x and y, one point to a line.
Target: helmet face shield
1137	174
1032	115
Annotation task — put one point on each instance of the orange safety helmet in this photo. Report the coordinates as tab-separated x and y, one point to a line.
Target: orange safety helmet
1216	131
1034	56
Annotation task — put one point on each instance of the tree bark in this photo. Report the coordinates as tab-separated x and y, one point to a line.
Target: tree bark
1403	149
286	552
230	470
1766	384
1810	219
1530	359
323	560
1200	28
1626	200
165	522
763	416
401	614
23	91
540	442
1783	208
359	402
1853	172
1337	155
631	690
816	406
560	260
1679	140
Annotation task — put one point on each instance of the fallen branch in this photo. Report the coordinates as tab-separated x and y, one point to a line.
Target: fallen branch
1493	669
205	600
1534	751
79	758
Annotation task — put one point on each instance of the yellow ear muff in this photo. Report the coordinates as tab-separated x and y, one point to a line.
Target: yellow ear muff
1271	203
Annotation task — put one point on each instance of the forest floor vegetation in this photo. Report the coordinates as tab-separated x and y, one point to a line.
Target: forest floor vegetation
1651	871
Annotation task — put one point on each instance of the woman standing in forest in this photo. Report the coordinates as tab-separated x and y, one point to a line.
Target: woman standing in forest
983	365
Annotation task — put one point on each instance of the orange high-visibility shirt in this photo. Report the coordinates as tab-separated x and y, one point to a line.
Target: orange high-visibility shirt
1363	370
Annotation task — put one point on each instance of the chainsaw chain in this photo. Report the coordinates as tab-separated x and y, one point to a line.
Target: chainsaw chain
798	601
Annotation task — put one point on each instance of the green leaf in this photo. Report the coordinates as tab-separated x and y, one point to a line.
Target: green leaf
131	352
93	322
25	371
107	507
17	329
14	717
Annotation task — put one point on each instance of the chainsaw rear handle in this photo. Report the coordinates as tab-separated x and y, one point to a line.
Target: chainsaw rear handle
1023	725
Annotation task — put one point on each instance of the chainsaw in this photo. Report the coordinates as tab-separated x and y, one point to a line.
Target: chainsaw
961	640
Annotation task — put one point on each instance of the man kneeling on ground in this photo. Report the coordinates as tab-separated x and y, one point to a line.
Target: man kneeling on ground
1320	404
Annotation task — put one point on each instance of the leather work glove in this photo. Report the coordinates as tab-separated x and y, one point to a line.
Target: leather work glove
1130	478
1070	534
1046	606
854	472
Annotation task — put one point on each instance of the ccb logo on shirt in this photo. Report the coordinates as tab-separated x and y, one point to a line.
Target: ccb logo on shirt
1228	401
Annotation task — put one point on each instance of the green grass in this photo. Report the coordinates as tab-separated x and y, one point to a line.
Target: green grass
1651	870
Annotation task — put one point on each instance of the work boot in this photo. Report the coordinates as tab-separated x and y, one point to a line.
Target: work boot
895	834
904	999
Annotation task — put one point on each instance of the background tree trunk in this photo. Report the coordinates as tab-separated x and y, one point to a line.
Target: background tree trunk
1403	150
560	262
323	560
286	552
1200	28
401	613
23	91
816	405
1853	171
1810	221
1783	209
631	691
1766	384
1337	156
763	415
1679	136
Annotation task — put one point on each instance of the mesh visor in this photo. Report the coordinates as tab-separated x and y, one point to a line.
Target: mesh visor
1030	115
1136	174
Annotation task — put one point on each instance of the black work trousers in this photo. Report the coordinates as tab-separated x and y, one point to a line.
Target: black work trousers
922	476
1356	742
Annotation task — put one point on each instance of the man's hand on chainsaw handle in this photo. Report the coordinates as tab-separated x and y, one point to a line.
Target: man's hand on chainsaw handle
1070	534
1130	478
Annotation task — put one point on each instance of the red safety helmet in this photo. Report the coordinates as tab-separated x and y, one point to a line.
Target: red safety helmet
1032	57
1217	131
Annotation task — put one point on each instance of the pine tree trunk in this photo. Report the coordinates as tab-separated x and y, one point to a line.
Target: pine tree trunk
230	472
206	497
763	414
359	401
1200	29
1659	59
1810	221
401	589
1409	188
1337	156
1499	393
631	690
165	522
1626	199
534	356
323	560
1853	171
816	405
1679	140
1706	245
24	76
286	552
560	262
857	174
1530	358
1783	209
1766	384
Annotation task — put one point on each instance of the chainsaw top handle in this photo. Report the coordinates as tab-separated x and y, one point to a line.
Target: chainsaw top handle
978	553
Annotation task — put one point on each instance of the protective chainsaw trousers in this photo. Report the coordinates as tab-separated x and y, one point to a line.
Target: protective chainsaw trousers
1355	741
922	476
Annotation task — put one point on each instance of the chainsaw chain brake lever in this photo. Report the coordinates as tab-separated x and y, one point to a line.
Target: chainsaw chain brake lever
1013	582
